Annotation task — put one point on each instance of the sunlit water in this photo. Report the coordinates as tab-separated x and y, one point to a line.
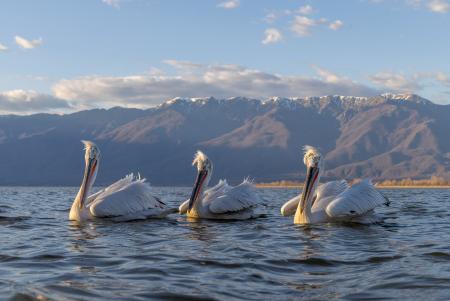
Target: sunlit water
44	256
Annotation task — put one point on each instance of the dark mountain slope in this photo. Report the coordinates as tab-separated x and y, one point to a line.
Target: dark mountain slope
385	137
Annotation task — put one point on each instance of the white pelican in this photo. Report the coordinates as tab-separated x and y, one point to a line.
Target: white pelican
221	201
127	199
332	201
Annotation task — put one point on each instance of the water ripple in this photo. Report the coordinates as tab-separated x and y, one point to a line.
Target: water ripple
43	256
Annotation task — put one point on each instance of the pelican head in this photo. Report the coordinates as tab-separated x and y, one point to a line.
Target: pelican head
314	164
92	157
202	162
91	150
312	156
204	168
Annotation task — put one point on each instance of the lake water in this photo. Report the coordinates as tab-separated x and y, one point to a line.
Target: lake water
43	256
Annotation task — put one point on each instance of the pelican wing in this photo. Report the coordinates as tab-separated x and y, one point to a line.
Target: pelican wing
220	188
290	206
116	186
325	193
92	197
184	207
235	199
125	197
356	200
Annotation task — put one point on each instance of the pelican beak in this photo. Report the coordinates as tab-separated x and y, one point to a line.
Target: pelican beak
311	177
201	176
88	174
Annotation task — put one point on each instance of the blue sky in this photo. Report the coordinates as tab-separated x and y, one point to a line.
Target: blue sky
60	56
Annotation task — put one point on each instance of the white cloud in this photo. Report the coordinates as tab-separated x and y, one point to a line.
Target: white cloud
438	6
272	35
443	78
411	83
182	64
3	47
328	76
396	81
302	25
306	10
270	17
336	25
27	44
210	80
113	3
414	3
37	77
29	101
229	4
274	15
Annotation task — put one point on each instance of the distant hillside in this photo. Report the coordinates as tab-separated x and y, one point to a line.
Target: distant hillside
384	137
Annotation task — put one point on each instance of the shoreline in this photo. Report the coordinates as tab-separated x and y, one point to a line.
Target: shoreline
268	186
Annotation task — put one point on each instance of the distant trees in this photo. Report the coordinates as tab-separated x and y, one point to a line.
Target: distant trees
432	181
280	184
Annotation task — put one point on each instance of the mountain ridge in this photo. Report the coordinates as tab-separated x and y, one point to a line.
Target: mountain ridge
390	136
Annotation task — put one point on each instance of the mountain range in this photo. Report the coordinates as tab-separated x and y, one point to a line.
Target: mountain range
384	137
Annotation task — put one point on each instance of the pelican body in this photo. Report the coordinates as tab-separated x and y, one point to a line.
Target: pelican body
129	198
332	201
221	201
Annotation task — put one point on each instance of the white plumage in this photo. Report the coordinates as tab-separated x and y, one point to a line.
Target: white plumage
127	199
183	208
210	193
232	199
357	200
221	201
324	193
332	201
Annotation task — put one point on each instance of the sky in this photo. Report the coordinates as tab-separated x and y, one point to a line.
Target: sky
65	56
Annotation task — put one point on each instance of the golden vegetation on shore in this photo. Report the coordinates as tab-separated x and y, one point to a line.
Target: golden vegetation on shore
279	184
433	182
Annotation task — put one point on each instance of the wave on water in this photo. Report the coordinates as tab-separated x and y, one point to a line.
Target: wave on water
43	256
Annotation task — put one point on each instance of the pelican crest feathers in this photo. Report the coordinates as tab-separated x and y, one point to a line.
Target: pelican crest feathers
199	158
88	144
91	148
312	155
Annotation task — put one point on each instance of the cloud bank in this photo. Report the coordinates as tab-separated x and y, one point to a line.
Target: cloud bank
195	80
411	83
29	101
189	79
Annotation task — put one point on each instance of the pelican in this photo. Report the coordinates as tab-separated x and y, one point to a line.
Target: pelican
332	201
127	199
221	201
